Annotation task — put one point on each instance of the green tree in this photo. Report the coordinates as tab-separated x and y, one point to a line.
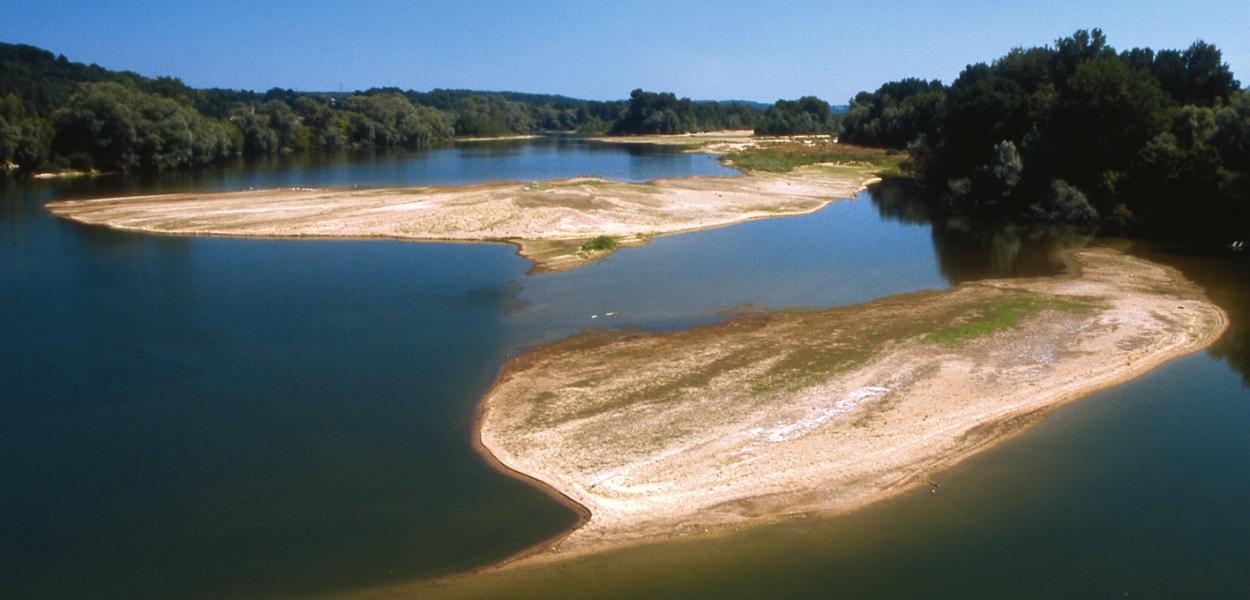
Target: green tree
808	114
1232	135
394	121
898	114
125	128
1105	115
650	112
1158	141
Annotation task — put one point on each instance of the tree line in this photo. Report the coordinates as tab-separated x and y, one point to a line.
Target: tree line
1152	141
57	114
652	113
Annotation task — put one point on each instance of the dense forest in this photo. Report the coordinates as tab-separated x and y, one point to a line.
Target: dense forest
808	114
649	112
1153	141
57	114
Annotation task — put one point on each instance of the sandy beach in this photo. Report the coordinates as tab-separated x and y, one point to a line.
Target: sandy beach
497	138
712	142
767	417
549	221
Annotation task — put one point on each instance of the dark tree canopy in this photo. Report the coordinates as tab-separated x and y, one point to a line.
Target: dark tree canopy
898	113
59	114
1152	140
126	128
650	112
808	114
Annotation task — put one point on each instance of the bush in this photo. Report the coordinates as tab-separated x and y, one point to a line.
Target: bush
81	161
1065	203
602	243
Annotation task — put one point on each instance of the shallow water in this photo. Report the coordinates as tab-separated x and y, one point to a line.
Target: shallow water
224	417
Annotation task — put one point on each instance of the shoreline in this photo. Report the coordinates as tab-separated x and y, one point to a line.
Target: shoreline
712	142
497	138
69	174
582	512
991	431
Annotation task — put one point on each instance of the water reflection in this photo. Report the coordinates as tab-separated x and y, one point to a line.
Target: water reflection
1226	279
969	250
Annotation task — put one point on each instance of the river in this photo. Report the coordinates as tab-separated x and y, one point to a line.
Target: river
206	417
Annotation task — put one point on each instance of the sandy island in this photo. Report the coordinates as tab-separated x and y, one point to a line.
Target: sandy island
551	222
765	417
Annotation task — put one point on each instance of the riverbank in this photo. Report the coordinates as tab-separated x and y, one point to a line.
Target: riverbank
496	138
769	417
552	222
67	174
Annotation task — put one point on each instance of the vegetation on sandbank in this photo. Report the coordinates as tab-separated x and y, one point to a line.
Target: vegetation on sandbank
786	156
603	243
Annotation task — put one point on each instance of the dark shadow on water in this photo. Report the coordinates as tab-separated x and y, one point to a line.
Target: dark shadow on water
1226	278
968	250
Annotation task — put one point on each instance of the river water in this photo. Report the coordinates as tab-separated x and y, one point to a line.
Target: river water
202	417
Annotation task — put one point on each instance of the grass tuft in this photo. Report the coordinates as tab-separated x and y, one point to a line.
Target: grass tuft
602	243
781	158
1002	313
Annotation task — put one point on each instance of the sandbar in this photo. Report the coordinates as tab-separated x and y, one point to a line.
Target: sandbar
713	142
795	413
551	222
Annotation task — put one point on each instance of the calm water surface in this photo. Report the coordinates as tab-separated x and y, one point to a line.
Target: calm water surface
225	417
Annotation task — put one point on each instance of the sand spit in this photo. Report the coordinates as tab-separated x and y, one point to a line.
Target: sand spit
713	142
549	221
765	417
497	138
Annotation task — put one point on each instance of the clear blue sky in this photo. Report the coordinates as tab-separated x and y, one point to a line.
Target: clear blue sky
761	50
